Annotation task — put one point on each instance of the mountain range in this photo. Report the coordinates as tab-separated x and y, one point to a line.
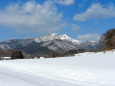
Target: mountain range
44	45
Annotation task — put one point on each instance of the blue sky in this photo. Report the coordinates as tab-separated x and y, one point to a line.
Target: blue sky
79	19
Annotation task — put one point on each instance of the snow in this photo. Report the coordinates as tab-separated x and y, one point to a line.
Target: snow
41	57
7	57
8	41
5	47
85	69
54	36
65	37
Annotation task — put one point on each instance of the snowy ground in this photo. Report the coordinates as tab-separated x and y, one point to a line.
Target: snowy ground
87	69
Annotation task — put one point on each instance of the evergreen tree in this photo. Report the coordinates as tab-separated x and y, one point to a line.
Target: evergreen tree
17	55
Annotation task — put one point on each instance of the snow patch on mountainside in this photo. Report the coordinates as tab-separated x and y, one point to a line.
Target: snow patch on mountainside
5	47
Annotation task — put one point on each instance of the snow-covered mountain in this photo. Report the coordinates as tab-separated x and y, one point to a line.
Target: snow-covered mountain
54	42
53	37
51	43
90	45
15	43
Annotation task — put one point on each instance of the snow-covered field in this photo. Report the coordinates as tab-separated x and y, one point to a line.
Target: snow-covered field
86	69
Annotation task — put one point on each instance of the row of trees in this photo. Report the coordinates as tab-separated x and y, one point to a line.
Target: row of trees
14	54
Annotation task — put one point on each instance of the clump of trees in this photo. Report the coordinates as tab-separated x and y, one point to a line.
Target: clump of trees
73	52
1	52
17	55
108	40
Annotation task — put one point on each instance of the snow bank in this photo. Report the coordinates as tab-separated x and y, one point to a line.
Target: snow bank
86	69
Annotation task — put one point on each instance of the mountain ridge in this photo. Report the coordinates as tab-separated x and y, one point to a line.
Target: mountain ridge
56	43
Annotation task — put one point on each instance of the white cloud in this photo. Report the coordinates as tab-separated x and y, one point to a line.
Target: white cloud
96	11
64	2
89	37
32	17
82	4
75	27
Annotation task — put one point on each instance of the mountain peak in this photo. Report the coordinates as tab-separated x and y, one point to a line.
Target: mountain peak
54	36
64	37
